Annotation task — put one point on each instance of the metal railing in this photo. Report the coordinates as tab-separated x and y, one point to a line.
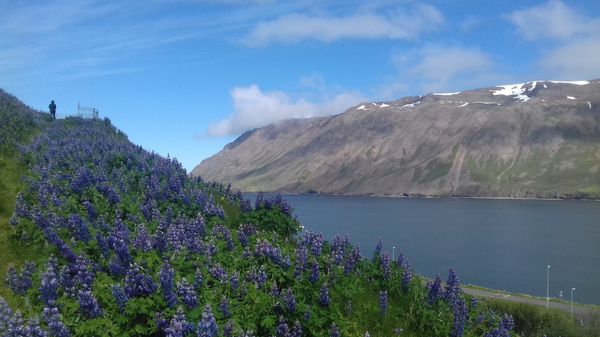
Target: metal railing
82	111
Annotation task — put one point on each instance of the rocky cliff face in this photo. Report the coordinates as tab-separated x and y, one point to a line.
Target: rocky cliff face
526	140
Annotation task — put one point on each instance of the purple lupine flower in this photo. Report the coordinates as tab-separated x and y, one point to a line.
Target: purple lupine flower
452	287
338	256
178	326
19	283
274	289
352	260
301	258
245	206
143	240
187	293
242	238
83	275
119	296
49	282
406	275
261	278
473	303
308	315
314	272
385	265
161	322
223	232
324	296
383	302
264	248
507	323
198	279
79	228
283	330
296	329
460	315
56	327
224	307
207	326
102	244
88	305
290	300
6	314
228	329
234	280
210	249
335	332
137	284
378	249
218	273
400	260
14	326
33	329
167	276
435	290
314	241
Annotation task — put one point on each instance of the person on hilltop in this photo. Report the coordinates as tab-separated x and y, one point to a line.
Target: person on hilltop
52	108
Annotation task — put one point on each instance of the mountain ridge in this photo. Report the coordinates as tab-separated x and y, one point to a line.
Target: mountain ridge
533	139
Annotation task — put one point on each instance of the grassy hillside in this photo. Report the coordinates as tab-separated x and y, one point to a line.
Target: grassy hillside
18	124
107	239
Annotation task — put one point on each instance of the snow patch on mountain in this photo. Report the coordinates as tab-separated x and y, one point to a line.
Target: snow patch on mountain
572	82
517	90
446	93
411	105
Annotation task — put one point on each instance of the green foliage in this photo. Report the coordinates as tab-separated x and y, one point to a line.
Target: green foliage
537	321
272	220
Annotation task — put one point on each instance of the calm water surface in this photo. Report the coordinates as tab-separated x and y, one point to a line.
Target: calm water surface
501	244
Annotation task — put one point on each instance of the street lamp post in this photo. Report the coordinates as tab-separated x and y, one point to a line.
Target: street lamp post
393	253
572	290
547	286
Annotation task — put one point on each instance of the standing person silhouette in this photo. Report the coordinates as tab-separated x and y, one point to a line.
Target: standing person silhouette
52	108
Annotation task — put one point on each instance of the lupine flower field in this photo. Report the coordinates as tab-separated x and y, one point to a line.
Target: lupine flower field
129	245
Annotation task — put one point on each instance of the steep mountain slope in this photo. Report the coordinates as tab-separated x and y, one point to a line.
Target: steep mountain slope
536	139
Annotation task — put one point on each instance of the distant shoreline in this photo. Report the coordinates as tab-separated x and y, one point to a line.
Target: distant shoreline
422	196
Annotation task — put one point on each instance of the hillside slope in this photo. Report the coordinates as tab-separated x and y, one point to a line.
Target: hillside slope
536	139
119	241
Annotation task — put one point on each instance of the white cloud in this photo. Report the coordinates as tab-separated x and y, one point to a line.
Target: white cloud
254	108
575	60
398	24
553	20
575	56
443	67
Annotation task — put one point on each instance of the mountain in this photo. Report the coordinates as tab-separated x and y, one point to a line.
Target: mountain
534	139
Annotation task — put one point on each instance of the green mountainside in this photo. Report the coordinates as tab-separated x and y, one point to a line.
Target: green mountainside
99	237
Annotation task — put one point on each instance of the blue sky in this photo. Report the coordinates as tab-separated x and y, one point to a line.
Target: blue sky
185	77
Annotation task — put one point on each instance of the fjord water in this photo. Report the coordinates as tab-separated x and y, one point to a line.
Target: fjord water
500	244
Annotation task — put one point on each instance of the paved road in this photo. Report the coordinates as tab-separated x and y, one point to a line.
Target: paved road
587	313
